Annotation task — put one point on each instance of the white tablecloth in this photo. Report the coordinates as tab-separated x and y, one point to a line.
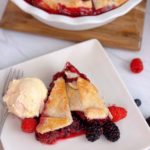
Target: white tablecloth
18	47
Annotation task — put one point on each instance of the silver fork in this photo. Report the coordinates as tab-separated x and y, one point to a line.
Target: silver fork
13	74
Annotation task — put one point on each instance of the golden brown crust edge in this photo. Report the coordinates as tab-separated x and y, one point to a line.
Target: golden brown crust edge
57	111
86	98
52	124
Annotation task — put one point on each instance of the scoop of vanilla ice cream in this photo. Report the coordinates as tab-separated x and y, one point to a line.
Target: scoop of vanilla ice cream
25	97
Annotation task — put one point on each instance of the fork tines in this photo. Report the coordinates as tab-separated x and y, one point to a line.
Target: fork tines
13	74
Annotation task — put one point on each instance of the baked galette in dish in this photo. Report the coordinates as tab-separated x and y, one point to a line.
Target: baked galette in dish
77	8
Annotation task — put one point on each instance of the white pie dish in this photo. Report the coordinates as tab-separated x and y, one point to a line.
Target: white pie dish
90	58
78	23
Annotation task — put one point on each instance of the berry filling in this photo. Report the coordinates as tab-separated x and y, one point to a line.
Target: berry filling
81	125
70	69
77	128
74	12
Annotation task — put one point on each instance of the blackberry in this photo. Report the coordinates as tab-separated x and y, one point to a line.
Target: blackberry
138	102
93	131
76	127
111	131
78	124
148	121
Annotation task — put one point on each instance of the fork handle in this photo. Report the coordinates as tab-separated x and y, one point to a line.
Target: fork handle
3	115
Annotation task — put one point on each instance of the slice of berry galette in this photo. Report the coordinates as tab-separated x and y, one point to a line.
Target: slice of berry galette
56	113
74	107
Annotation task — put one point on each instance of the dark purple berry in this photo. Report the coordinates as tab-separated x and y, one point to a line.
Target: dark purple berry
111	131
93	131
138	102
148	121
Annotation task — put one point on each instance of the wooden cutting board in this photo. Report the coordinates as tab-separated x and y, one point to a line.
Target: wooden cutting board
125	32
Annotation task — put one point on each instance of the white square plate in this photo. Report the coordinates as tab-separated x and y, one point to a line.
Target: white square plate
90	58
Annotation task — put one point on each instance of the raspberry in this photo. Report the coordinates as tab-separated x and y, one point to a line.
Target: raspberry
81	115
29	125
118	113
136	65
